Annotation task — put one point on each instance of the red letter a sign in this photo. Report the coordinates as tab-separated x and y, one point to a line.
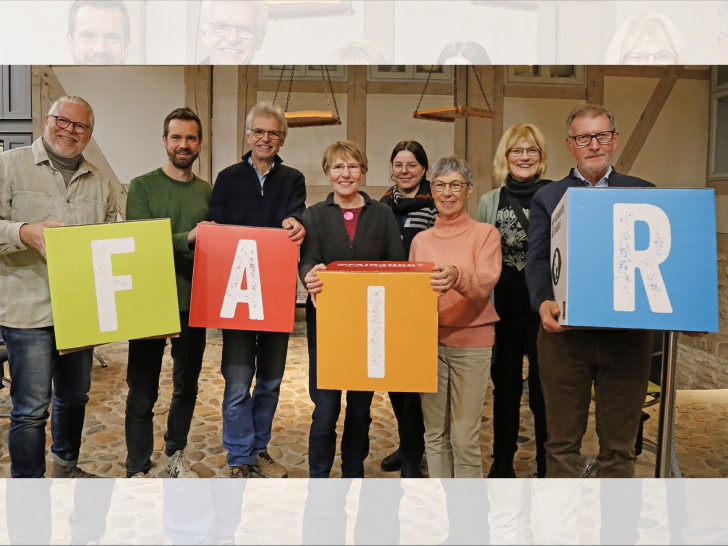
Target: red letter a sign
244	278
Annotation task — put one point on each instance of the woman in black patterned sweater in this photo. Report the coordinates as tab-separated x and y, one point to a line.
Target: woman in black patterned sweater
411	201
519	166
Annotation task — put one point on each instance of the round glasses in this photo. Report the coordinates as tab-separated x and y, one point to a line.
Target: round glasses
221	28
455	187
399	167
605	137
63	123
531	151
273	135
339	169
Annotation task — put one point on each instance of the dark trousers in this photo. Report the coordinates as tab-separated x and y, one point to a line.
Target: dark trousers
142	377
327	407
410	424
617	364
515	336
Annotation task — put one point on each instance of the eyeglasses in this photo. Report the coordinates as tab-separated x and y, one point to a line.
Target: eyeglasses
397	167
63	123
518	152
661	57
221	28
259	133
339	169
605	137
455	187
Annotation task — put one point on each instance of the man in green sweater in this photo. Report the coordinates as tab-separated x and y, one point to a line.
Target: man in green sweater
173	192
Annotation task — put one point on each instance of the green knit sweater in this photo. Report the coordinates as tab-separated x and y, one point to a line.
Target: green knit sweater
156	195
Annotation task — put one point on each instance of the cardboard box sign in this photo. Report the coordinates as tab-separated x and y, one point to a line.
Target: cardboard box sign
244	278
377	327
636	258
111	282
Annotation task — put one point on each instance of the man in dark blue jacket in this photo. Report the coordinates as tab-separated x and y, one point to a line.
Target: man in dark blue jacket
615	362
261	192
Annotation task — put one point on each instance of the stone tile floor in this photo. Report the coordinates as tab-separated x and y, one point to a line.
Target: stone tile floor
701	431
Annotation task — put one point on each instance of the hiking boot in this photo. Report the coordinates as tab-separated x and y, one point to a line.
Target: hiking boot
240	471
266	467
60	471
178	467
392	462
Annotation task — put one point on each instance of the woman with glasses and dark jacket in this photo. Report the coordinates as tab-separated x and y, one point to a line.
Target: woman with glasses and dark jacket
411	201
518	166
348	226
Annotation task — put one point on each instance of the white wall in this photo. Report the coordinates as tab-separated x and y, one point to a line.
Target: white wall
224	118
549	115
389	120
130	104
422	29
675	152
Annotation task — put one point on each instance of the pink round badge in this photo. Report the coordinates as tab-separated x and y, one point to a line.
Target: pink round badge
348	215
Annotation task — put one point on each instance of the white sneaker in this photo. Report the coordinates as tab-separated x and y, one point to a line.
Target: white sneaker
178	467
140	475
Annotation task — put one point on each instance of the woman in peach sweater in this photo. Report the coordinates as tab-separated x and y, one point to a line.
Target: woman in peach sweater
467	255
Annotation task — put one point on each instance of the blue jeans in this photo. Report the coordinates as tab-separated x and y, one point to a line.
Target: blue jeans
142	377
327	407
35	366
247	420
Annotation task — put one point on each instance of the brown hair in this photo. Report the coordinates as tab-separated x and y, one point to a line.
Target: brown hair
342	148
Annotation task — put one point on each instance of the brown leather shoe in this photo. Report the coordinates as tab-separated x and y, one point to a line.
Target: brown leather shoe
266	467
240	471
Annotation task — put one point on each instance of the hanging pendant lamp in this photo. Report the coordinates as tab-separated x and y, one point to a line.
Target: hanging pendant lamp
456	111
311	118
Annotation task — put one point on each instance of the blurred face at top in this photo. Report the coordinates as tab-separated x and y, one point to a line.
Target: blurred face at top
451	194
344	174
524	159
407	173
98	37
233	33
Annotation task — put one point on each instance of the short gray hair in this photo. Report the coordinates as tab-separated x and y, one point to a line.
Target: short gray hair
452	164
265	108
261	12
592	111
74	99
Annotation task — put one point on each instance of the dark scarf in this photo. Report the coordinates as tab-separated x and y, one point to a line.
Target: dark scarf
402	205
528	187
422	206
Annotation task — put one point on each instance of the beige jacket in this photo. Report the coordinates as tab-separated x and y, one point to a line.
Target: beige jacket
31	190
